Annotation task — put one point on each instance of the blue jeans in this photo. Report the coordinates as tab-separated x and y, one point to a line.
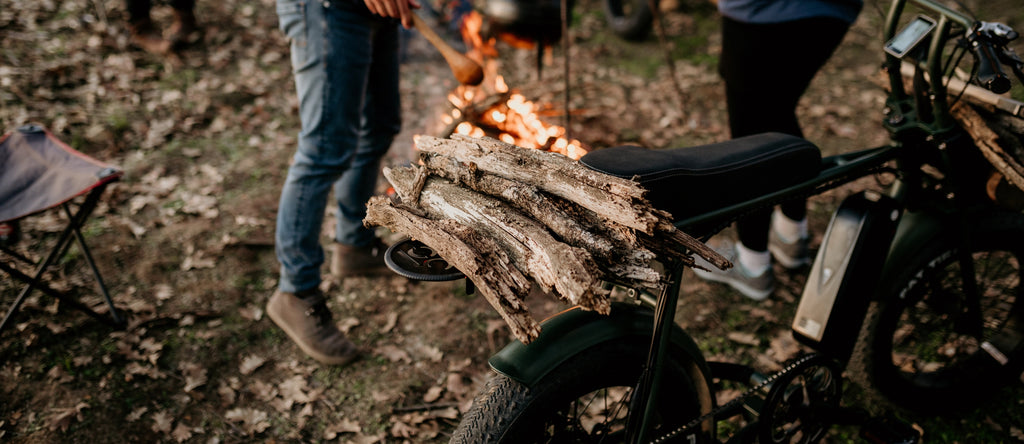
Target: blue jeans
345	62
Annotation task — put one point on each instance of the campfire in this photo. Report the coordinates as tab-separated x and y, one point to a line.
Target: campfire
494	110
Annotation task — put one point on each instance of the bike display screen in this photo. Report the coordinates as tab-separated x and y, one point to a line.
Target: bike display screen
908	37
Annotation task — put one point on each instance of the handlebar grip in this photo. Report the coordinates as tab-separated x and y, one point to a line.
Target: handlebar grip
990	75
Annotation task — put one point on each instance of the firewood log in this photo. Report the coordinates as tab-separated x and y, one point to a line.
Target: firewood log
990	143
479	258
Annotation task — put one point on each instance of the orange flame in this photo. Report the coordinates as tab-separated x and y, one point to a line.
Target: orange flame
516	120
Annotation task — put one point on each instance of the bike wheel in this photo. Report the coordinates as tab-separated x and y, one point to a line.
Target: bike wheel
629	19
587	399
923	352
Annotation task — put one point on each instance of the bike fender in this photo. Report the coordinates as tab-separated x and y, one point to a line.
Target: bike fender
916	229
573	331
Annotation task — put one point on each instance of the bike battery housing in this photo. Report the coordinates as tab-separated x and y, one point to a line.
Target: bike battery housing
845	273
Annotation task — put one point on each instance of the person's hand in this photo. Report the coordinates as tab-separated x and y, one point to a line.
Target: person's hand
399	9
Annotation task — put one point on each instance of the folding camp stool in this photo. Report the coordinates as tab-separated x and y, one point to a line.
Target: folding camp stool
38	172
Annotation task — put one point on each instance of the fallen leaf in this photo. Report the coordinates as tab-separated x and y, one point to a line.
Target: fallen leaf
394	354
458	385
382	397
163	292
227	394
348	324
195	375
152	348
402	430
428	352
63	417
264	390
433	394
345	426
196	259
136	414
252	421
744	338
251	312
392	320
250	364
162	422
458	366
59	375
181	433
295	389
448	413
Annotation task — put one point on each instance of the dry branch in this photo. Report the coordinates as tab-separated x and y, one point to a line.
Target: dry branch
475	256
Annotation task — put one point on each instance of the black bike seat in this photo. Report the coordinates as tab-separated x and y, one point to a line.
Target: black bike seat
695	180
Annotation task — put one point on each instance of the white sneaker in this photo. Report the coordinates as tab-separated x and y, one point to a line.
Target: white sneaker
791	255
757	288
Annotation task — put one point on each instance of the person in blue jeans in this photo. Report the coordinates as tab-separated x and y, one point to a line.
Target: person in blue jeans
771	50
345	58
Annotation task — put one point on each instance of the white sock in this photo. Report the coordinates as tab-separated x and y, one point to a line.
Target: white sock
789	230
754	263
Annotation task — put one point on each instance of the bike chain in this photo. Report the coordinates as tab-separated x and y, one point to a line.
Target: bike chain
769	381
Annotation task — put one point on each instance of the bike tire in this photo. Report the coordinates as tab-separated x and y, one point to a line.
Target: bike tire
919	355
560	408
629	19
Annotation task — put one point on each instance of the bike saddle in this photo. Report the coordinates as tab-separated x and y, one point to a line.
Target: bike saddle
695	180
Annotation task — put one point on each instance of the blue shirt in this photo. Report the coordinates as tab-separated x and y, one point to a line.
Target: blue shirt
780	11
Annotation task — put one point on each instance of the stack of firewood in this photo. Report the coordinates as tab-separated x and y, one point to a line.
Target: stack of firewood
508	217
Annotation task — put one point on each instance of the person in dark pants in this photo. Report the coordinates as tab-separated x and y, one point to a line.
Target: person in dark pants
771	50
147	36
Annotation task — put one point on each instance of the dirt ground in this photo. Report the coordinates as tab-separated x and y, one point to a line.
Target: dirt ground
185	240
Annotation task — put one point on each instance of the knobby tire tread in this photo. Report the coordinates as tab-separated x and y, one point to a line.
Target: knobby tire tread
872	358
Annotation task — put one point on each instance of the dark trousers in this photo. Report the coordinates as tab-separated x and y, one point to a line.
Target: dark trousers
766	68
139	9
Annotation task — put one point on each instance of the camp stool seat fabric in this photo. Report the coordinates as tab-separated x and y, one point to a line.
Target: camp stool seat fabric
39	172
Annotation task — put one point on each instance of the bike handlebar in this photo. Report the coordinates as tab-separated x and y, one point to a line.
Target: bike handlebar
990	73
987	42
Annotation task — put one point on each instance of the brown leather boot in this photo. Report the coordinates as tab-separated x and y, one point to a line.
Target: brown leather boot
145	36
349	261
182	28
309	323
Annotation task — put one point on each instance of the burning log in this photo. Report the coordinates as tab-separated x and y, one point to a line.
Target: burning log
483	203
